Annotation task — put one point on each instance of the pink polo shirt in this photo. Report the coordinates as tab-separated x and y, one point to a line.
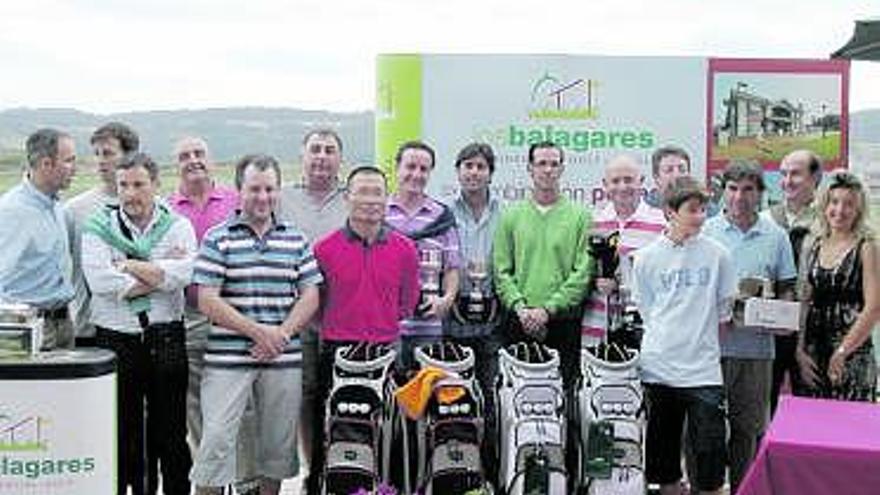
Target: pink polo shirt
221	203
368	289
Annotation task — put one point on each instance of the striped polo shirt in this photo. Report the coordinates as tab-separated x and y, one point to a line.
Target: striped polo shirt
637	231
261	277
446	244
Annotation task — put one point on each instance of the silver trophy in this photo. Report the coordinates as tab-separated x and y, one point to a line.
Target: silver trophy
21	330
430	269
625	321
476	274
475	304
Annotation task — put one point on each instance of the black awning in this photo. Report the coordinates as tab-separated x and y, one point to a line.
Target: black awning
864	44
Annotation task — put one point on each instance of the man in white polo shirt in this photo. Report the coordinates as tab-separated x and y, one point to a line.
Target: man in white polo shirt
637	224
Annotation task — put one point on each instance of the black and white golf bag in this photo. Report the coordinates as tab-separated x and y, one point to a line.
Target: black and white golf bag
448	438
611	420
358	422
531	421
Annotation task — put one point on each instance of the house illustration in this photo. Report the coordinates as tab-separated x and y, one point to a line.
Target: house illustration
22	435
554	97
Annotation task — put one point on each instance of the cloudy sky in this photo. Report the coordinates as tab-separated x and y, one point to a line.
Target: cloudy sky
115	55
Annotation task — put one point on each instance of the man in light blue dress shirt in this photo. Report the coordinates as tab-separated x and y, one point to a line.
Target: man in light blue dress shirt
760	249
35	261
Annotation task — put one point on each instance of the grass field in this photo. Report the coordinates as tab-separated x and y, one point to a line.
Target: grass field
775	147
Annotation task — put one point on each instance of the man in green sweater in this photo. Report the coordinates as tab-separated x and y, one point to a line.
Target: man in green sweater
541	263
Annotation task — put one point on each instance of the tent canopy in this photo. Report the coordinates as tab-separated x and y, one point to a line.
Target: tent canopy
864	44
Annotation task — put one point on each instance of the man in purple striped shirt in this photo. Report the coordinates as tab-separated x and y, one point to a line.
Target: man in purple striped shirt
432	226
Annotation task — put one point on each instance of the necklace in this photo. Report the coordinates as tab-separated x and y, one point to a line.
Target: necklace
831	254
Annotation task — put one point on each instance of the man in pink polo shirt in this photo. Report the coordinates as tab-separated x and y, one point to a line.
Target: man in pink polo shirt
205	204
371	282
636	223
198	197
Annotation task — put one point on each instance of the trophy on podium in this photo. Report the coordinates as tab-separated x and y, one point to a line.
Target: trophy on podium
21	330
430	271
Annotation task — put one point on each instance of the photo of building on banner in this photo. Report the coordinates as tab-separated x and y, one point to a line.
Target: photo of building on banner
764	109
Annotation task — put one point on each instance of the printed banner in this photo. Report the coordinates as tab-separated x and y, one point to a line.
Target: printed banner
57	437
596	107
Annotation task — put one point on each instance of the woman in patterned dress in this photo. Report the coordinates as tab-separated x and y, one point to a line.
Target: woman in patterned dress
840	280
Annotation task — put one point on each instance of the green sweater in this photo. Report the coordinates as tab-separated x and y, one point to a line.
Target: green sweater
541	259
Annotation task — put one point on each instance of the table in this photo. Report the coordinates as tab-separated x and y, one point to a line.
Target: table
58	423
818	447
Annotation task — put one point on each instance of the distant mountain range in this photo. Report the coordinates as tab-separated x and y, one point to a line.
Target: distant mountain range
230	132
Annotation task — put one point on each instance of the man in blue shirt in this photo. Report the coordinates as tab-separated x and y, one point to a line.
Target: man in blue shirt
761	250
473	321
35	261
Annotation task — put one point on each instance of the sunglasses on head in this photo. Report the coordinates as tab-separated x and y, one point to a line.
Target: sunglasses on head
845	179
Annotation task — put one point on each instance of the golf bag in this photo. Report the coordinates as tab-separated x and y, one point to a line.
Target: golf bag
358	422
611	420
531	421
448	438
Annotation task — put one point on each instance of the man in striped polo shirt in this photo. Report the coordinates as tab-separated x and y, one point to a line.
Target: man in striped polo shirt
431	225
258	283
636	223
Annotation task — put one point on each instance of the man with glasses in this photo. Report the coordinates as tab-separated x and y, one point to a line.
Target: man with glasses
363	301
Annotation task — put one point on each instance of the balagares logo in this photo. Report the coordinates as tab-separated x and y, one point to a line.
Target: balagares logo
25	450
564	99
565	111
23	435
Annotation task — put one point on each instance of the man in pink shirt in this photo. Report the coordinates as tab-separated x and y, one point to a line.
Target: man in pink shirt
370	282
635	222
205	204
198	197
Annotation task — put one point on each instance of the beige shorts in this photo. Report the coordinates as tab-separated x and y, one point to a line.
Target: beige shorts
276	393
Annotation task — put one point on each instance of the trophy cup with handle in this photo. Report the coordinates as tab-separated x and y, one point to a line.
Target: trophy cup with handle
430	269
475	304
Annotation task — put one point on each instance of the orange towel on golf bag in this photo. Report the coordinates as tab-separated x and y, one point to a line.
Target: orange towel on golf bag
414	395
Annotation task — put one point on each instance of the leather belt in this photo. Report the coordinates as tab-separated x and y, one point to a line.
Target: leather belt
53	314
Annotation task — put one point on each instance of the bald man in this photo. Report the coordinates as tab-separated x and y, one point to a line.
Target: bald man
800	174
634	220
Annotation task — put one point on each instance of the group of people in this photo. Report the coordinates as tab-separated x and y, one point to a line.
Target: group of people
225	305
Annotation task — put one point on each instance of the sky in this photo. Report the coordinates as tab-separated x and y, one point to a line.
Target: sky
109	56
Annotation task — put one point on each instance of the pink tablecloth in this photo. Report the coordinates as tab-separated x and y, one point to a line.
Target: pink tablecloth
818	447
